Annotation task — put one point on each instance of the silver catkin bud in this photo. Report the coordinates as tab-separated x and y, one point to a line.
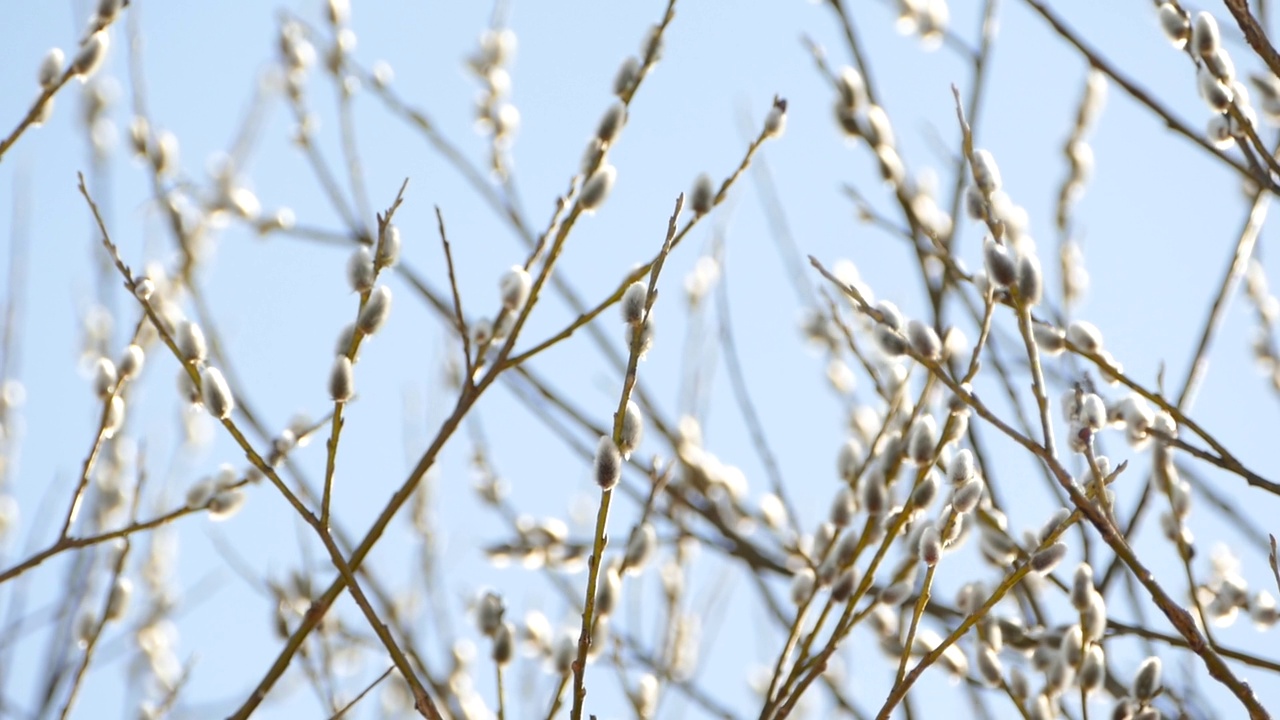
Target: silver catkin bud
375	311
105	377
775	122
842	507
389	247
924	340
1001	267
341	379
91	55
191	342
966	496
802	584
989	667
504	643
1146	683
703	195
51	68
633	301
1085	335
611	124
1047	559
930	546
1030	280
132	361
608	464
1174	24
360	274
1206	40
640	547
118	600
626	77
632	429
1093	670
597	187
515	287
1082	586
217	394
986	174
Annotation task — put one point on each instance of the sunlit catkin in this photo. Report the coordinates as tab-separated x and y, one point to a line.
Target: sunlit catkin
375	311
217	394
1206	41
91	54
986	174
51	68
930	547
775	122
341	379
611	124
634	299
1146	683
388	253
132	361
191	342
597	187
514	287
1046	560
608	464
632	429
924	340
703	195
1174	24
360	273
640	546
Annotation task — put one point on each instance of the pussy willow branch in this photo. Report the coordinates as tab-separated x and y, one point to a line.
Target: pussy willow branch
602	516
425	705
1177	615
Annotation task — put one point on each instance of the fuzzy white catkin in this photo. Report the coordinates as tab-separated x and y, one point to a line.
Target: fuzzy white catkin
115	417
775	122
962	467
51	68
922	440
924	340
91	55
225	503
640	547
389	247
966	496
1030	280
118	600
703	195
1093	670
930	546
608	464
1059	516
608	592
802	584
1001	268
986	174
1206	41
597	187
989	668
360	274
632	429
634	299
626	77
217	394
1081	586
132	361
341	379
1175	25
375	311
842	507
104	377
1085	335
1146	683
191	342
1049	339
504	644
1047	559
611	124
514	287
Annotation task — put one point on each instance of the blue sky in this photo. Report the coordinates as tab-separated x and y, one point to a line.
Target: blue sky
1157	224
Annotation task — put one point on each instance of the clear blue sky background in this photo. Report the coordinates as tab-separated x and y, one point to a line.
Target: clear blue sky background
1157	225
